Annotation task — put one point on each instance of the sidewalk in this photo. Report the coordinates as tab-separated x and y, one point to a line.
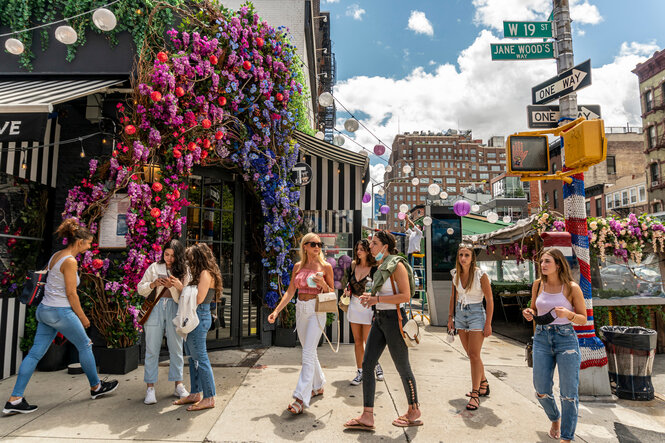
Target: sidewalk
254	387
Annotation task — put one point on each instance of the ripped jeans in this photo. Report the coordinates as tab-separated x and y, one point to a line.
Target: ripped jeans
200	370
557	345
52	320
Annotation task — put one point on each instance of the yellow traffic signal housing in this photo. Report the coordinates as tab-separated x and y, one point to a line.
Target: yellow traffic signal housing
585	144
528	154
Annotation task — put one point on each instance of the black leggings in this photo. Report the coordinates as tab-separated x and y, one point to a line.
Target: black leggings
385	331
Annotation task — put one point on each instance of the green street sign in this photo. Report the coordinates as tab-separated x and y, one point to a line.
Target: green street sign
522	51
527	29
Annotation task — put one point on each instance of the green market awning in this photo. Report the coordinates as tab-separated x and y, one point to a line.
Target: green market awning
476	225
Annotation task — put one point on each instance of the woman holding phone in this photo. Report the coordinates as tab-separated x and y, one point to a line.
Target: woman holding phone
166	277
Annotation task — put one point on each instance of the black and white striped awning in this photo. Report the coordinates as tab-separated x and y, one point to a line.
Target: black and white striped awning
339	176
41	95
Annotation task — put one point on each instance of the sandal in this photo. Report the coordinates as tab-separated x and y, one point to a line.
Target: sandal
317	393
485	388
198	407
295	408
355	424
403	422
555	434
471	406
185	401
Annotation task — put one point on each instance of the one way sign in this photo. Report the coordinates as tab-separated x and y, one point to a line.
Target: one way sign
563	84
547	116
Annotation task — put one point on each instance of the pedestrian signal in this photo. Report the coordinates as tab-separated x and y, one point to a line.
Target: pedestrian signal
585	144
528	154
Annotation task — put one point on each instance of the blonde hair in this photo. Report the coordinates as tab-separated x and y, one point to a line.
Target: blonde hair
310	236
472	267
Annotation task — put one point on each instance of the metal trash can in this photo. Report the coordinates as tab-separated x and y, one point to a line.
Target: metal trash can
630	354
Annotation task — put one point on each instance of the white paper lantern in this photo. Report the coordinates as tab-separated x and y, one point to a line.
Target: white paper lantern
351	125
406	169
506	219
492	217
415	181
427	220
14	46
338	140
403	208
450	231
475	208
433	189
389	168
443	195
326	99
380	191
104	19
320	135
66	34
474	238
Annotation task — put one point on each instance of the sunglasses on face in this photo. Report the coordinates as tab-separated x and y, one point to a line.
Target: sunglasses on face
314	244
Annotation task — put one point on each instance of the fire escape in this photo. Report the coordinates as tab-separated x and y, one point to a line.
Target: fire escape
327	73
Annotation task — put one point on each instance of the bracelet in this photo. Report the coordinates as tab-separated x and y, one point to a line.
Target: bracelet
573	318
378	299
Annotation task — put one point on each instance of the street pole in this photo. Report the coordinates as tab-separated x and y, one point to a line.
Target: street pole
594	380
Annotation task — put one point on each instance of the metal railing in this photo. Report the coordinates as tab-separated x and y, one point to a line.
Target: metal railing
623	129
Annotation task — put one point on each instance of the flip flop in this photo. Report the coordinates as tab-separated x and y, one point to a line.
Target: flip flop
184	401
317	393
554	436
404	422
198	407
355	424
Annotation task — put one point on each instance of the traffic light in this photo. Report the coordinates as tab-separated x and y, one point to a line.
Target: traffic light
585	144
528	154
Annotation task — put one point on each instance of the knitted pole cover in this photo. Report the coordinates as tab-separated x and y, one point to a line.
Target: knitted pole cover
574	210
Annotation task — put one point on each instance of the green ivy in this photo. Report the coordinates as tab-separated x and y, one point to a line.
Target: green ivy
299	103
30	329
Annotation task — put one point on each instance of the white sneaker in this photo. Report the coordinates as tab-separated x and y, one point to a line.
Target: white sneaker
150	398
379	372
180	391
359	378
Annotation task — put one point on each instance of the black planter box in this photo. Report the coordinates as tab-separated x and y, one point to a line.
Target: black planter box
285	337
55	358
117	361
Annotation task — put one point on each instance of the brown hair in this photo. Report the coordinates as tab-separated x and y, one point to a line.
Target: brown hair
387	238
563	268
200	258
458	266
371	261
71	231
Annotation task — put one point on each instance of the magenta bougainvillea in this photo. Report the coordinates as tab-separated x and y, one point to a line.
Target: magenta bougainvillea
222	91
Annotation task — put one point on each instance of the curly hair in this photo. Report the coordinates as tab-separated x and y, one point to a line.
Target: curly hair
179	266
71	231
200	258
371	261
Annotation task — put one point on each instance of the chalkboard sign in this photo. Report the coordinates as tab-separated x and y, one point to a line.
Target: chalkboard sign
528	153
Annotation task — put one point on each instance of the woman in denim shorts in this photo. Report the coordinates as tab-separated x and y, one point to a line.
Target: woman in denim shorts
558	302
470	286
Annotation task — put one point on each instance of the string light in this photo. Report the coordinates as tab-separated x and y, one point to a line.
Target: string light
82	151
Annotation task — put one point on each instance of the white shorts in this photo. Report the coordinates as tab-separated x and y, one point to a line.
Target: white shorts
358	313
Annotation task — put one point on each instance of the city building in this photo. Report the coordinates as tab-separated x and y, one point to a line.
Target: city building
452	159
625	161
509	197
651	75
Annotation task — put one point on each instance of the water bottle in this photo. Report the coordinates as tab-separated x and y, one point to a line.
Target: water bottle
368	285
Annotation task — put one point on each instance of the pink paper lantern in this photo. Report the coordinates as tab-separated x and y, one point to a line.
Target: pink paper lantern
384	209
367	197
462	207
401	216
379	149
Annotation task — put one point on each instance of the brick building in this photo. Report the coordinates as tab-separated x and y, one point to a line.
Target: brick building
651	75
453	160
625	158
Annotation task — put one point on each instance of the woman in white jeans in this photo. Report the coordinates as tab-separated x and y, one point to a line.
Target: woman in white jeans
170	273
311	276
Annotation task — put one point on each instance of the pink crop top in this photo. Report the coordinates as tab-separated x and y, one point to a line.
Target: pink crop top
546	301
301	282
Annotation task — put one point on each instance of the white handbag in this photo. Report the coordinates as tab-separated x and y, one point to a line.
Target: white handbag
411	330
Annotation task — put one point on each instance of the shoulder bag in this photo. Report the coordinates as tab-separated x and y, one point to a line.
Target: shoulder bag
345	300
327	302
410	330
149	304
33	289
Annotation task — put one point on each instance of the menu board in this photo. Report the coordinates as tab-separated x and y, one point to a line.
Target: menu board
528	154
113	226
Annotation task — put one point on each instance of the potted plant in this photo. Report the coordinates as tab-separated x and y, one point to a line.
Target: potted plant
285	334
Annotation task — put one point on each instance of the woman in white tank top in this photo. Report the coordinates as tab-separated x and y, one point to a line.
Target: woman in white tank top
60	311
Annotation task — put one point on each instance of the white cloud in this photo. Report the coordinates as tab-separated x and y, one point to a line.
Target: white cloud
419	23
584	13
330	1
355	11
492	13
431	63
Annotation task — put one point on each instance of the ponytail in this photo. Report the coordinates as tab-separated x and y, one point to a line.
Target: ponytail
71	231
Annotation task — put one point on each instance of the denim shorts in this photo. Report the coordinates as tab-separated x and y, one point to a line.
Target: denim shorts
470	317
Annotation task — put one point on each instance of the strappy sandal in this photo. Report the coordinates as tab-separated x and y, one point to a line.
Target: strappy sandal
470	406
198	407
317	393
486	388
295	408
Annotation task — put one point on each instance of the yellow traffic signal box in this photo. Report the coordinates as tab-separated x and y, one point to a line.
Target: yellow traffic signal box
585	144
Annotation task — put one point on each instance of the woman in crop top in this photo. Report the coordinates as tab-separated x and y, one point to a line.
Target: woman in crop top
207	277
558	303
311	275
472	321
60	311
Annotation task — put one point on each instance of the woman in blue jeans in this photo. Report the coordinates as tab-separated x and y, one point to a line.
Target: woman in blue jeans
207	277
556	303
60	311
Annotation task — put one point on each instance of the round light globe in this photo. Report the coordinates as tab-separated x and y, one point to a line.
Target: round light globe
389	168
450	231
14	46
433	189
415	181
338	140
492	217
403	208
401	215
104	19
320	135
326	99
351	125
384	209
66	34
475	208
427	220
506	219
443	195
381	191
406	169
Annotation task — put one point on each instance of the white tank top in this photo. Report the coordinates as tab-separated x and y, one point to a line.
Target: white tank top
472	294
387	289
55	294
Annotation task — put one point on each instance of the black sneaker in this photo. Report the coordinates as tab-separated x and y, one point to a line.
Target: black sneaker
21	408
104	388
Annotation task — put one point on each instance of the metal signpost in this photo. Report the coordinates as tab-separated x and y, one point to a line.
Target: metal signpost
522	51
547	116
567	81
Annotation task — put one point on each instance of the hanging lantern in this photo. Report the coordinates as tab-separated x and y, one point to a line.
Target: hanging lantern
14	46
406	169
66	34
443	195
104	19
384	209
415	181
379	149
474	238
492	217
403	208
389	168
320	135
427	220
401	215
450	231
351	125
475	208
506	219
326	99
338	140
461	207
367	197
380	191
433	189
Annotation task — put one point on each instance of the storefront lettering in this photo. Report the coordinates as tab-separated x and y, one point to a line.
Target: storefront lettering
11	127
22	127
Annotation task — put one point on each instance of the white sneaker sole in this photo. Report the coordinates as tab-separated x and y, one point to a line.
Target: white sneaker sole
96	396
355	383
148	402
17	411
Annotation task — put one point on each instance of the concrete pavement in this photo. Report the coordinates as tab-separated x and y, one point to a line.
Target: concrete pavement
254	387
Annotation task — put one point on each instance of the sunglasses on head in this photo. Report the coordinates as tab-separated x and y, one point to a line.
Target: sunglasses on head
314	244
